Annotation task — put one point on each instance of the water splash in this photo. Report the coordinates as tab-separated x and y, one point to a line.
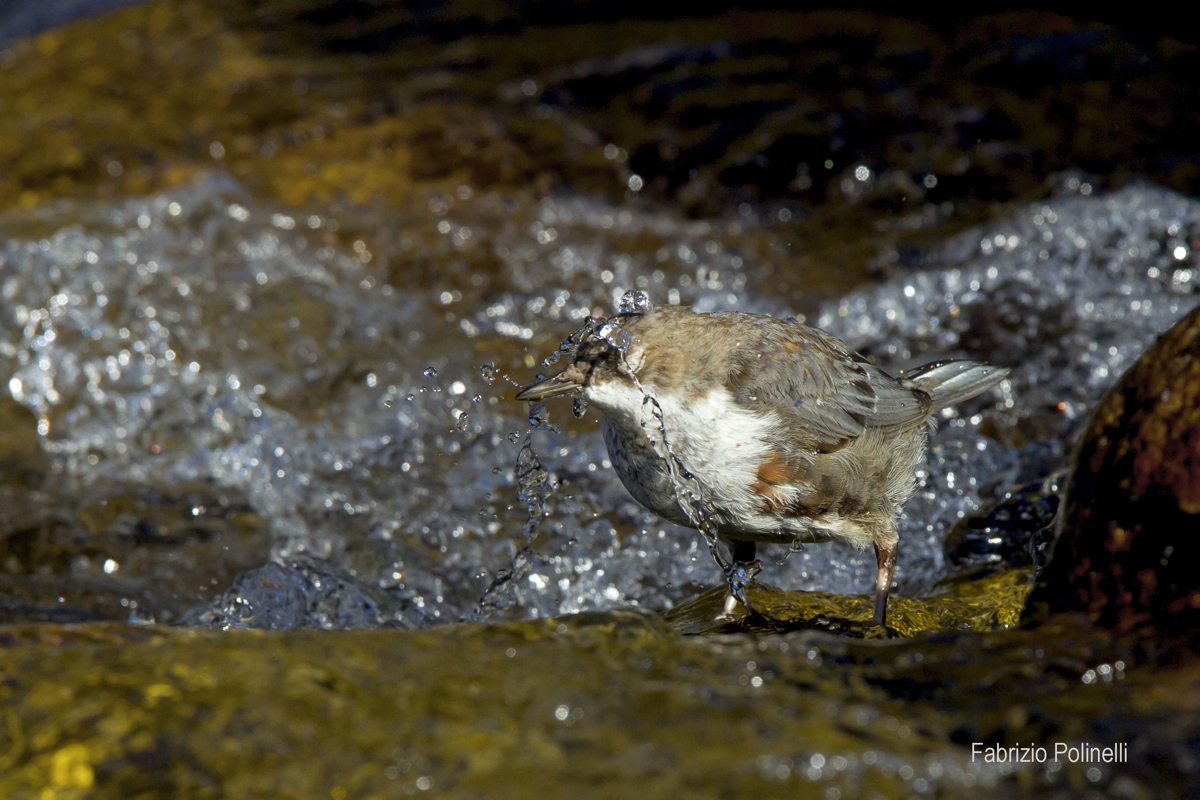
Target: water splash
689	495
539	417
502	593
634	301
534	486
795	547
259	336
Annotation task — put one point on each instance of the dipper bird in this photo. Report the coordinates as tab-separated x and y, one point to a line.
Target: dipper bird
756	429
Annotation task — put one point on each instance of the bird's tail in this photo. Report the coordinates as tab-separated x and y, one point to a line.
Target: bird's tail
950	382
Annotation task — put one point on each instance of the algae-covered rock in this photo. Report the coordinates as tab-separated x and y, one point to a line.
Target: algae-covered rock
1129	538
605	705
979	605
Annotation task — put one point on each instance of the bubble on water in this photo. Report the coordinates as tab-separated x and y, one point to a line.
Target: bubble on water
430	373
634	301
578	407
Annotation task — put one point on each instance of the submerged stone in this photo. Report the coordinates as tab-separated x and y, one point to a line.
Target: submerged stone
1129	538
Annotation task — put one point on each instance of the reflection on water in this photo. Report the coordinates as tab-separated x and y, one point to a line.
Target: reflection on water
200	338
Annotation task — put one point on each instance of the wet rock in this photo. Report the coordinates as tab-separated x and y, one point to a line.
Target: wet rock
1009	534
115	553
21	458
304	594
1128	546
757	103
979	605
611	699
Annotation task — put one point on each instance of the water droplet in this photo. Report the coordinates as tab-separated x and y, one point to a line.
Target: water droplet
514	437
488	371
411	397
795	547
612	333
539	418
436	389
534	487
463	422
634	302
476	398
579	407
430	373
551	360
389	403
495	470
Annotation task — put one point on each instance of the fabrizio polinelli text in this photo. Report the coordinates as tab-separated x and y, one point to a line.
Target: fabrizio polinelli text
1082	753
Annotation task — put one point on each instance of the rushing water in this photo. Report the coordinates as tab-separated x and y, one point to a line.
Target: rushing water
348	377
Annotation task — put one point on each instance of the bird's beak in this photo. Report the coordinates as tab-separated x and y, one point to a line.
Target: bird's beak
568	381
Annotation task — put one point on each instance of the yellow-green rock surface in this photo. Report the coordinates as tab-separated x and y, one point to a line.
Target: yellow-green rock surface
598	705
617	705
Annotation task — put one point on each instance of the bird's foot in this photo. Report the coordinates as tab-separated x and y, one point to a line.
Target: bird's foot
737	577
885	554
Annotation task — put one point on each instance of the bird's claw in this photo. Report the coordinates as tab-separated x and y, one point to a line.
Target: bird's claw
737	577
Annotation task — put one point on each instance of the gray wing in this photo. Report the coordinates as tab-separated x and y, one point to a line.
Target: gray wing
826	393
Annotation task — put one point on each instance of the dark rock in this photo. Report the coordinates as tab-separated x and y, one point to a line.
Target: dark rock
1009	534
1129	537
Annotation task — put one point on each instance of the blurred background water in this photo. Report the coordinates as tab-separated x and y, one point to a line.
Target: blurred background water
208	357
273	270
303	350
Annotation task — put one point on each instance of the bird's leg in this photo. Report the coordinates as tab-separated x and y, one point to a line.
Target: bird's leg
885	557
742	568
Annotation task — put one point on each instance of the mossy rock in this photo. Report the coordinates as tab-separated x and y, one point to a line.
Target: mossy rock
994	601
